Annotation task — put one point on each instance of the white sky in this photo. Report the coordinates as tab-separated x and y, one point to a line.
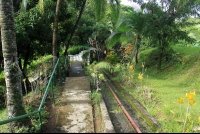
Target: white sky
133	4
128	3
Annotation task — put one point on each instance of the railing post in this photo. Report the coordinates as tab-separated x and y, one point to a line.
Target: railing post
59	73
40	118
52	92
66	61
54	78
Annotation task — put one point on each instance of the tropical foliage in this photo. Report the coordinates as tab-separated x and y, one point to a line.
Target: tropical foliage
118	32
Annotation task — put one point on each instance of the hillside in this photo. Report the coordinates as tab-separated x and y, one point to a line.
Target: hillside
177	77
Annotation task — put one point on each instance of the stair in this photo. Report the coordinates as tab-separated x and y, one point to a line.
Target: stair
75	111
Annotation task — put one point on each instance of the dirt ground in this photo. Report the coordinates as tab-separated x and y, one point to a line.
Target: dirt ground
97	118
52	109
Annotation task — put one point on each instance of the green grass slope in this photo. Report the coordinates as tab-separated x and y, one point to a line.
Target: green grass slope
178	76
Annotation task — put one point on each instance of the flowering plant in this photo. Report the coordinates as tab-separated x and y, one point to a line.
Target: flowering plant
191	101
112	59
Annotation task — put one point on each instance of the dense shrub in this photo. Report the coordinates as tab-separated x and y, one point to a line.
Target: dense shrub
2	89
85	56
76	49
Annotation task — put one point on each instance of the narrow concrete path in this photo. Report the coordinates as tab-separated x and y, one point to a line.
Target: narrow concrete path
75	112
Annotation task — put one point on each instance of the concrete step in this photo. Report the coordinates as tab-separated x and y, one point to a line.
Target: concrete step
75	111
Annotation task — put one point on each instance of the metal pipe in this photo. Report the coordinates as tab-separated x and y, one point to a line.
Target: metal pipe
52	92
59	74
127	114
40	118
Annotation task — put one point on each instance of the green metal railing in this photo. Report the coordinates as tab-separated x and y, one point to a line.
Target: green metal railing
51	80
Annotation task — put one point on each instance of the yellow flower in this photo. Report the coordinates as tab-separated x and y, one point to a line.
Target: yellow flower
199	119
131	76
180	100
193	93
40	82
190	96
131	68
193	102
132	71
143	64
140	76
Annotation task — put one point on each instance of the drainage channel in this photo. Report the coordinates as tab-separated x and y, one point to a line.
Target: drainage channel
119	118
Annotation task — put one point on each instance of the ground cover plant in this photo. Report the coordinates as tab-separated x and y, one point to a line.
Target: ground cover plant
33	98
96	78
33	106
175	80
44	27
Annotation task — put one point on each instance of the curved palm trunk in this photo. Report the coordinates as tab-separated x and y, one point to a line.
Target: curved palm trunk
137	48
72	34
55	32
15	103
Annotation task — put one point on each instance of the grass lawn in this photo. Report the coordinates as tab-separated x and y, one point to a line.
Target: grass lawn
172	81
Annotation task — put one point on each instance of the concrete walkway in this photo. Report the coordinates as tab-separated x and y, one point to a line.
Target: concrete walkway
75	112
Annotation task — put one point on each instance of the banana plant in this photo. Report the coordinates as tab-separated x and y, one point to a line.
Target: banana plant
130	27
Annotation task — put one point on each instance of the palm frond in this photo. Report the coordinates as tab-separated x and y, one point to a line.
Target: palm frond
181	3
100	7
119	36
123	25
113	38
115	10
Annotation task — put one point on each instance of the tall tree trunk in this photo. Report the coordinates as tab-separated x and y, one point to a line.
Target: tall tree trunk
160	55
55	32
15	103
24	71
137	48
136	56
72	34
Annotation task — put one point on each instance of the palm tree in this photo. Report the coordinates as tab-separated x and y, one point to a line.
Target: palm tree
15	103
72	34
100	8
165	23
23	8
130	27
55	32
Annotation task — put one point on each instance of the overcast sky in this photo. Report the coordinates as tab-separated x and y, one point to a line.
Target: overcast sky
133	4
128	3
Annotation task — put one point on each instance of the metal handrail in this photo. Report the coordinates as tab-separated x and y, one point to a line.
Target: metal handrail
43	99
